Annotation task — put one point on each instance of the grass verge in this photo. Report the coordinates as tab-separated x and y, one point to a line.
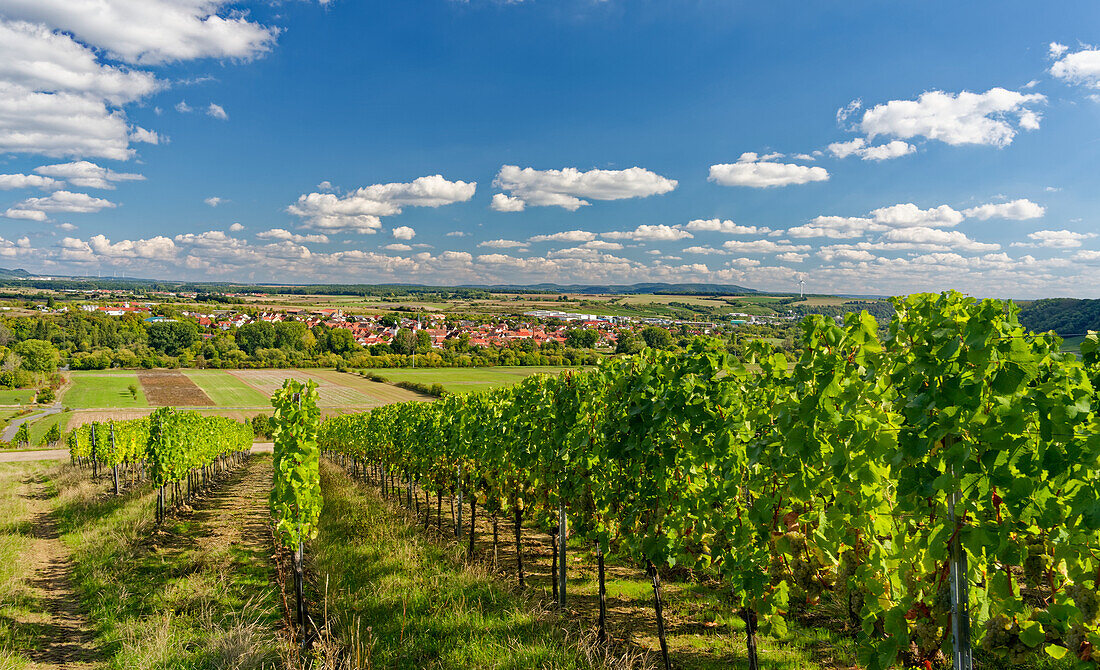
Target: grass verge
190	594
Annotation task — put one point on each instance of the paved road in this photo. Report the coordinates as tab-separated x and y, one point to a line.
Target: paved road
63	454
9	431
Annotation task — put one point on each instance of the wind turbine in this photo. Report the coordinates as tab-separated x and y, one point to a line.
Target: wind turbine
801	286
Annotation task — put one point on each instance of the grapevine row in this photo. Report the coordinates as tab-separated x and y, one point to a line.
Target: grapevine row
953	462
168	447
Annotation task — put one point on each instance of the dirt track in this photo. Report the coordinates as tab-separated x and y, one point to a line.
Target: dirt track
65	637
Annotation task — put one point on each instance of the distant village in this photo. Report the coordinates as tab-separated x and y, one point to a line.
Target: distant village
540	326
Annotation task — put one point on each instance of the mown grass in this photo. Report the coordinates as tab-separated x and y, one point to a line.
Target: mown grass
39	427
226	390
16	396
159	598
16	638
99	390
397	599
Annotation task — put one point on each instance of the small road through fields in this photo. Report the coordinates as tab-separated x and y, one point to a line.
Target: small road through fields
65	637
9	430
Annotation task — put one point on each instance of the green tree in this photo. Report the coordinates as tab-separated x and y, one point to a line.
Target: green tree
133	389
423	341
254	336
656	337
404	342
628	343
581	338
290	335
341	341
38	355
171	337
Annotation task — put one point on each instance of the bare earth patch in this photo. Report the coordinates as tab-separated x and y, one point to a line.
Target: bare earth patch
172	389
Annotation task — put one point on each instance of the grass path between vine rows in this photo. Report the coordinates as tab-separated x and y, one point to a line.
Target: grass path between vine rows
42	624
395	598
196	592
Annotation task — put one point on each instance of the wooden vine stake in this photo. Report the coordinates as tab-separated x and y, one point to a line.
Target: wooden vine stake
563	535
659	610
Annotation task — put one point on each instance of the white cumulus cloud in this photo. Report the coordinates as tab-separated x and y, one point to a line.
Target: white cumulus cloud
868	152
1017	210
217	111
724	226
1079	67
63	201
750	170
502	244
283	234
642	233
568	188
152	31
1059	239
990	118
361	210
14	181
565	236
403	233
86	174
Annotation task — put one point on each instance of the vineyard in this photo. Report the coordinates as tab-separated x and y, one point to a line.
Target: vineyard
169	448
927	490
936	478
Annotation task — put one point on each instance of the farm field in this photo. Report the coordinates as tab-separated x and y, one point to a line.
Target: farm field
222	388
226	390
465	380
39	427
170	388
337	390
16	396
94	389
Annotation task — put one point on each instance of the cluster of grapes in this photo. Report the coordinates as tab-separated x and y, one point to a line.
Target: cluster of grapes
1074	638
804	569
1002	636
849	562
926	634
1086	601
1035	565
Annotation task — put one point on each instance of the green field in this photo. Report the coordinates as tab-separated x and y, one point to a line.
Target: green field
38	428
465	380
16	396
100	390
226	390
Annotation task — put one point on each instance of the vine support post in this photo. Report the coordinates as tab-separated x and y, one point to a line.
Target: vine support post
519	544
603	592
749	617
563	536
95	456
458	508
962	656
299	588
114	464
495	540
473	518
659	611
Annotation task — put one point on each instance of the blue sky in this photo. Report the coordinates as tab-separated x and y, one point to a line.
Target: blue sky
865	147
